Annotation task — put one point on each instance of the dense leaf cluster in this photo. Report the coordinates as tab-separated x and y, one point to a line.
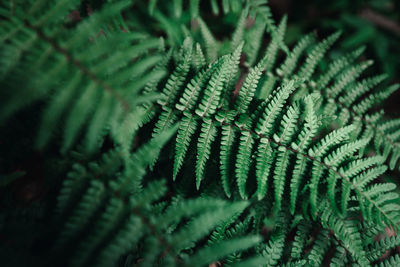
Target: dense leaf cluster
166	143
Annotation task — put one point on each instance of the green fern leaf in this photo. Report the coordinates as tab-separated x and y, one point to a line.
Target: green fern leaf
248	89
300	239
199	60
392	261
361	88
253	37
102	227
283	156
178	8
194	8
291	60
243	162
335	137
274	106
217	251
78	115
338	65
210	42
347	77
207	136
165	121
176	80
186	129
315	56
382	246
347	232
88	205
318	250
192	90
212	94
269	58
304	140
227	139
202	225
274	249
237	36
264	163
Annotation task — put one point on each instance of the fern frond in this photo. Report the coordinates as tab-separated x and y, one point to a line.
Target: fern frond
180	210
291	60
211	98
254	38
361	88
386	140
263	166
192	90
307	69
366	177
390	262
274	106
382	246
340	257
199	60
112	214
177	7
304	140
237	36
214	7
319	248
248	89
207	136
194	8
210	42
300	239
227	139
243	162
145	156
202	225
347	232
283	155
260	9
337	66
347	77
186	129
319	149
88	205
340	154
273	251
176	80
231	74
269	58
165	121
99	75
126	214
304	143
217	251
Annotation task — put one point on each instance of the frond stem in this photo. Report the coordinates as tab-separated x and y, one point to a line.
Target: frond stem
79	65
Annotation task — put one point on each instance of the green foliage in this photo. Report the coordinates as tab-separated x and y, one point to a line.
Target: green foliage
195	148
104	85
111	221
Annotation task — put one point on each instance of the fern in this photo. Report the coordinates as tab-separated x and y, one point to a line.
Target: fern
203	146
350	99
104	81
322	161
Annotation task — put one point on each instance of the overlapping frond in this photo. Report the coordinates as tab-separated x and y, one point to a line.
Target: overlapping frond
85	84
298	161
108	213
256	164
